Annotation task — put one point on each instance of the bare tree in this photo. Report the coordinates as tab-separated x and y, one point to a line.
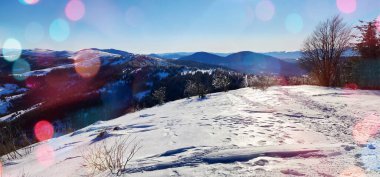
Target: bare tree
322	51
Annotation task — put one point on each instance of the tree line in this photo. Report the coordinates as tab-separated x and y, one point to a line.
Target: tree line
338	55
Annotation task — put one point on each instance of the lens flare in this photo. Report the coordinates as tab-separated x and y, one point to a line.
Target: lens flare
32	82
351	86
346	6
133	16
29	2
59	30
43	130
250	14
294	23
45	155
75	10
265	10
34	32
378	23
57	80
86	64
366	129
19	68
371	156
12	49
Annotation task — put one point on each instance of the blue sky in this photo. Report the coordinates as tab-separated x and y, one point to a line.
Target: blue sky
147	26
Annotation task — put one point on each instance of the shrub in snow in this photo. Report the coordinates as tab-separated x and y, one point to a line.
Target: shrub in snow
110	155
262	82
12	139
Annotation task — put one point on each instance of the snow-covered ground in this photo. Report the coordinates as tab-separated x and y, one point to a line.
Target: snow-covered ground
283	131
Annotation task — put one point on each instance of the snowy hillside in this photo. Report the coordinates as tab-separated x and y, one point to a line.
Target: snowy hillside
297	131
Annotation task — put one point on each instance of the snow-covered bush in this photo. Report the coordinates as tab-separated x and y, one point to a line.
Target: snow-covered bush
262	82
110	155
221	82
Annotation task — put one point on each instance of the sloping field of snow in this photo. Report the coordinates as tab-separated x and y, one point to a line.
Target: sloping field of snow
296	131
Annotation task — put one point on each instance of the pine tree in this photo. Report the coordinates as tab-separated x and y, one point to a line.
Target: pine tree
368	41
159	95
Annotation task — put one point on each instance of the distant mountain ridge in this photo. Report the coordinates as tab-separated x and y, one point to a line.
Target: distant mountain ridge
285	55
293	55
248	62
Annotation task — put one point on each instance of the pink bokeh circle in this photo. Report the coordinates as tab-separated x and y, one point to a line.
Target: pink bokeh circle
43	130
45	155
346	6
75	10
29	2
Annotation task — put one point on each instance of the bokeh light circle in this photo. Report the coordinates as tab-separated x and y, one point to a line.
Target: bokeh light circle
133	16
75	10
351	86
353	171
32	82
366	128
29	2
43	130
11	49
59	30
346	6
19	68
378	23
45	155
34	32
370	156
87	64
265	10
294	23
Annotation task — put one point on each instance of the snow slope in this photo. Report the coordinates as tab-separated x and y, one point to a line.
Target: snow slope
283	131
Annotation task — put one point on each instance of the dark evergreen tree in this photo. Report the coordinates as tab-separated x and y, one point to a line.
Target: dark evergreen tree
368	44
